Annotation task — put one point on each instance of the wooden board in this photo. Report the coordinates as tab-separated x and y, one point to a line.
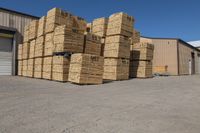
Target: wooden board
86	69
41	26
20	52
99	26
47	67
30	68
92	44
160	69
24	67
66	39
32	49
136	37
38	67
39	47
26	33
49	44
116	69
117	47
20	67
25	51
120	24
140	69
33	27
60	70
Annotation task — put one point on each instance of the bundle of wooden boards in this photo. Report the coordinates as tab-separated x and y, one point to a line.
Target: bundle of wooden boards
63	47
141	60
117	47
49	43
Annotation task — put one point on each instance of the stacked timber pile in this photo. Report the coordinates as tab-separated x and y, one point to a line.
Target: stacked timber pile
92	44
68	39
20	59
86	69
99	26
117	47
61	67
141	60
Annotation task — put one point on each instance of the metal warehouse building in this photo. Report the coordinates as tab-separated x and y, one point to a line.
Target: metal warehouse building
12	25
180	57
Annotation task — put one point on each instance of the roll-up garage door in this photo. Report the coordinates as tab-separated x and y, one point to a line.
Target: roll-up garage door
5	56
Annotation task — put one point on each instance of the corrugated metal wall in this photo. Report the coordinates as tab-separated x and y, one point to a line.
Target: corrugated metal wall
184	58
14	20
165	54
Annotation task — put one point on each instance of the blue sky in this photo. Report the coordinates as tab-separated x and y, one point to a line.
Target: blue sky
154	18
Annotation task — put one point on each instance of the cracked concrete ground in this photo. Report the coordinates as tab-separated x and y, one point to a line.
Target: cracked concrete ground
158	105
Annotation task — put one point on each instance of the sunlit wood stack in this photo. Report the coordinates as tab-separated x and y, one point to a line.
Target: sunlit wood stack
140	69
30	67
117	47
41	26
38	67
92	44
142	51
86	69
20	67
47	68
33	28
136	37
60	70
32	49
26	33
120	24
99	26
49	46
24	67
20	52
56	17
67	39
25	51
116	69
141	60
39	47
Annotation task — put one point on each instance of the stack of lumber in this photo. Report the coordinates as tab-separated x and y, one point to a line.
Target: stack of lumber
20	52
116	69
86	69
39	47
49	44
41	26
30	67
67	39
38	67
33	29
32	49
20	67
120	24
47	67
56	17
99	26
79	24
136	37
141	60
60	70
26	33
25	51
24	67
117	47
92	44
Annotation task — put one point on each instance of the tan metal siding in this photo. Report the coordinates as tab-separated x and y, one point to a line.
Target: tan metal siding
184	57
165	54
13	20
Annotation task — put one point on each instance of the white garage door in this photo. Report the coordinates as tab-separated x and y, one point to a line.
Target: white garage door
5	56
